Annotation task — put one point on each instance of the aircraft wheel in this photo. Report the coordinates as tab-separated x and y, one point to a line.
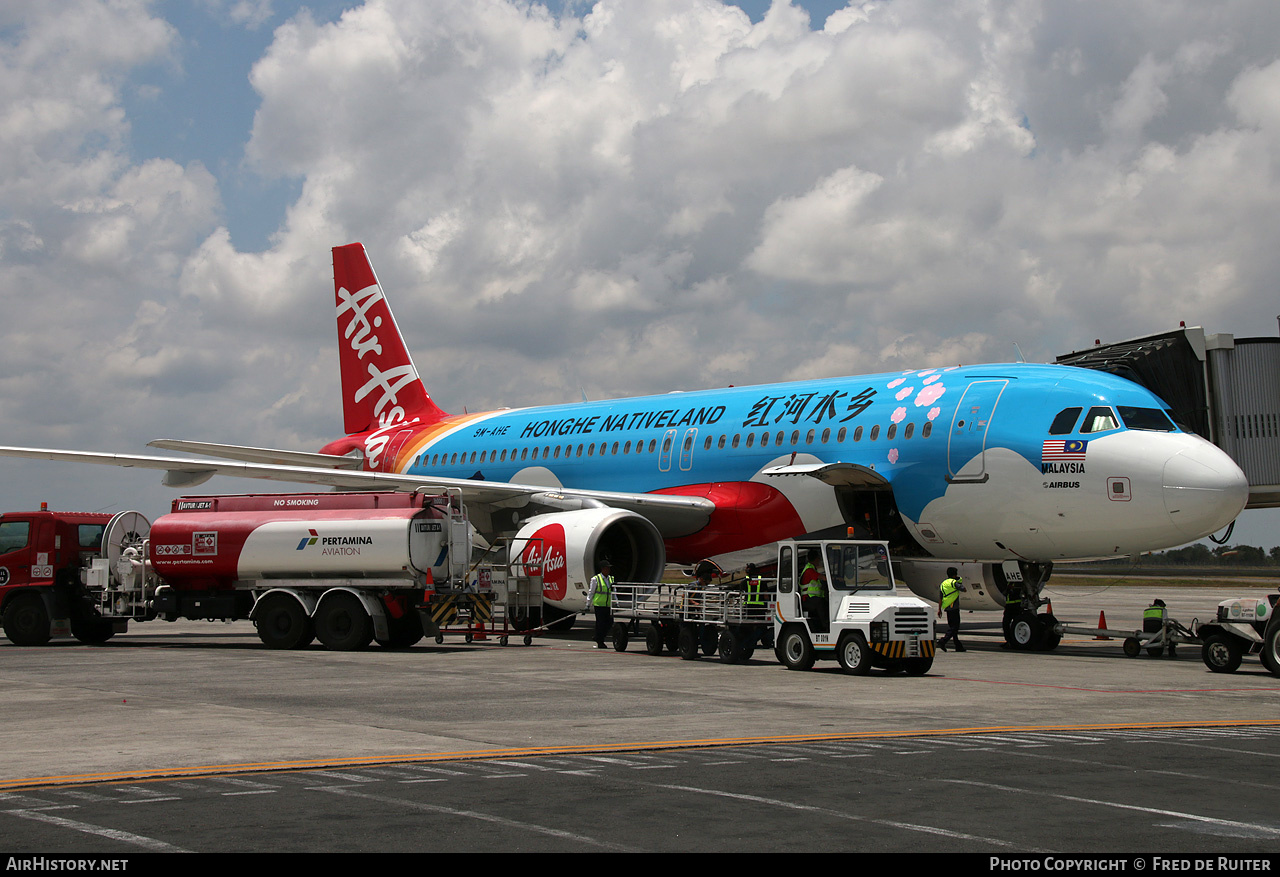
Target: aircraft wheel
342	625
1049	636
620	636
282	623
1132	647
1026	631
653	640
795	651
689	643
854	654
26	621
1221	653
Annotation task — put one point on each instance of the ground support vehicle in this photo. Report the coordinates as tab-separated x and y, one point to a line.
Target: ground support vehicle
691	620
344	568
1162	640
857	617
497	600
1245	626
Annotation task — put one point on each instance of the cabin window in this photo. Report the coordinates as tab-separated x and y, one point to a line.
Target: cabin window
857	434
1065	422
907	433
777	439
808	439
927	429
591	450
524	454
795	437
1099	419
826	436
626	448
614	449
579	450
841	434
875	433
557	452
736	436
666	445
706	446
720	444
751	439
653	445
892	431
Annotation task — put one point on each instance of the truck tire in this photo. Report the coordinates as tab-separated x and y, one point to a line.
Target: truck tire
918	666
1132	647
403	632
1221	653
795	650
26	620
342	624
282	623
854	654
92	631
1271	650
689	643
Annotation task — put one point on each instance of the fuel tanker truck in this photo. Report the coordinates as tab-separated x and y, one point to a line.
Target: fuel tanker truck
344	568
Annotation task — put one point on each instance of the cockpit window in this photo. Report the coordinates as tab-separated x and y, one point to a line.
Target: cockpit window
1099	419
1065	421
1145	418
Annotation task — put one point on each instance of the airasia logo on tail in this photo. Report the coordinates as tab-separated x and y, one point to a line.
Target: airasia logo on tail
544	554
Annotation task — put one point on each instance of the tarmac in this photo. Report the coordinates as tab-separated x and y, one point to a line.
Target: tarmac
195	698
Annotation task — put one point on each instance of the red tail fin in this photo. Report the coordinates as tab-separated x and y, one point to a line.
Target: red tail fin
380	386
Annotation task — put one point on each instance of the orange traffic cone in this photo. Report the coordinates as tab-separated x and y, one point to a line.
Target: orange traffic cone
1102	625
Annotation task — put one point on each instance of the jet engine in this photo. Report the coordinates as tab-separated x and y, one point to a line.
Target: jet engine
565	547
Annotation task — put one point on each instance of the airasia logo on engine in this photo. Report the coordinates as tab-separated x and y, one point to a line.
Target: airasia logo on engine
544	555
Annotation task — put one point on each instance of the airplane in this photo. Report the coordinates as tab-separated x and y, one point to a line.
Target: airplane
1003	469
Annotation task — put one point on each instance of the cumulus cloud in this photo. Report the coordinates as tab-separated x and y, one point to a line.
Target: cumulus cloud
635	197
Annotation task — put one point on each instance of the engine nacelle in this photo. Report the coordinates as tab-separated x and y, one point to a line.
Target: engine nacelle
985	583
564	547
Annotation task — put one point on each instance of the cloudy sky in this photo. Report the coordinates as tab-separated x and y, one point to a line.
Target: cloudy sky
611	198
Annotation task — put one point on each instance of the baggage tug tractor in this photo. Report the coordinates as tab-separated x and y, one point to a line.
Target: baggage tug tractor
839	599
346	569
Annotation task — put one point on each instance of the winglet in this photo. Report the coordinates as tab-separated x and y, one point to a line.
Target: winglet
380	386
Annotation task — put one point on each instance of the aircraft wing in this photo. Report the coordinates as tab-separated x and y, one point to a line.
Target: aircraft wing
672	515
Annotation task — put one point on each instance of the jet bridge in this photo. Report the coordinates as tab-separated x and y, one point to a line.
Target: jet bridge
1227	389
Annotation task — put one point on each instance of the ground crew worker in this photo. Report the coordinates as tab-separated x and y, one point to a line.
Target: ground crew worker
1153	617
753	596
600	597
1012	606
813	592
950	602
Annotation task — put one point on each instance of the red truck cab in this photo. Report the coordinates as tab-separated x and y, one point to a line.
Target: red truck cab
41	555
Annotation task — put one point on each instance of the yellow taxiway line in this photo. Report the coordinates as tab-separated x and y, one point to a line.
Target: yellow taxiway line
169	773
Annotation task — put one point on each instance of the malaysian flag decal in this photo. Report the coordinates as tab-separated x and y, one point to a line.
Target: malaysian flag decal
1059	450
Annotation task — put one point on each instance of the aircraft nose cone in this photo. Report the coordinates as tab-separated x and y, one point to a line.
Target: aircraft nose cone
1204	490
